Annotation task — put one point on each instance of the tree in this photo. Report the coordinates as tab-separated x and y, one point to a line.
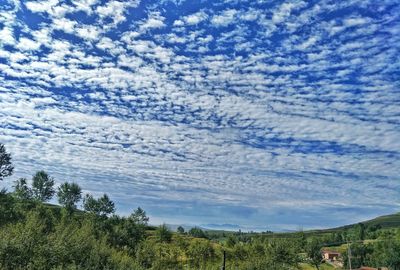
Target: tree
6	168
360	231
21	189
102	206
163	234
129	232
392	258
42	186
197	232
359	253
69	194
180	230
8	211
282	254
139	217
313	250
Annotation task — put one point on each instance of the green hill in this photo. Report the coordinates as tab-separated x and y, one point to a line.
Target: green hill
384	222
388	221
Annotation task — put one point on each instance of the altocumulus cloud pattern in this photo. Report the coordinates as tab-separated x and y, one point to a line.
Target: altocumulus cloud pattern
265	114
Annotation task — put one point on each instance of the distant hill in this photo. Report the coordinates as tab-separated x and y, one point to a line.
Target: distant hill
384	222
387	221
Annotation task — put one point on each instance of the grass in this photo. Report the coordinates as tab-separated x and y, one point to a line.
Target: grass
325	266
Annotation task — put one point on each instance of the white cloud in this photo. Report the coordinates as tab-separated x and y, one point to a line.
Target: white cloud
251	15
41	6
307	43
113	9
355	22
173	38
225	18
85	5
6	36
64	24
154	21
88	32
195	18
178	23
26	44
285	10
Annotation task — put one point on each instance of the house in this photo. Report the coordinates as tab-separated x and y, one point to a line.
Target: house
330	255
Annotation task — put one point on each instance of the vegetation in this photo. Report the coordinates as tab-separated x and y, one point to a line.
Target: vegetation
42	186
38	235
6	168
69	195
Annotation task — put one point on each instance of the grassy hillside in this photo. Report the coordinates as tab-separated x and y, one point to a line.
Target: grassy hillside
387	221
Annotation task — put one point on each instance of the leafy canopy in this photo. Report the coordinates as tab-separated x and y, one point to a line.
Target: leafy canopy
42	186
6	167
102	206
69	194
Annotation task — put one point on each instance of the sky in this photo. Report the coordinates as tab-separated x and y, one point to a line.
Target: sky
260	115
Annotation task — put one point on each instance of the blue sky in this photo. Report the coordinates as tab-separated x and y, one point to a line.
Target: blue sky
264	114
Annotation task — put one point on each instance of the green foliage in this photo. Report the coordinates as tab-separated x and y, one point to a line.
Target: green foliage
163	234
42	186
384	253
128	233
180	230
69	195
358	254
199	252
34	245
313	250
102	206
197	232
22	190
139	217
283	254
231	241
8	211
6	167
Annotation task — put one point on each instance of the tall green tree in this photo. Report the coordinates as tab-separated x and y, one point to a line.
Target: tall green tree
42	186
102	206
129	232
6	167
139	217
313	250
69	194
22	190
